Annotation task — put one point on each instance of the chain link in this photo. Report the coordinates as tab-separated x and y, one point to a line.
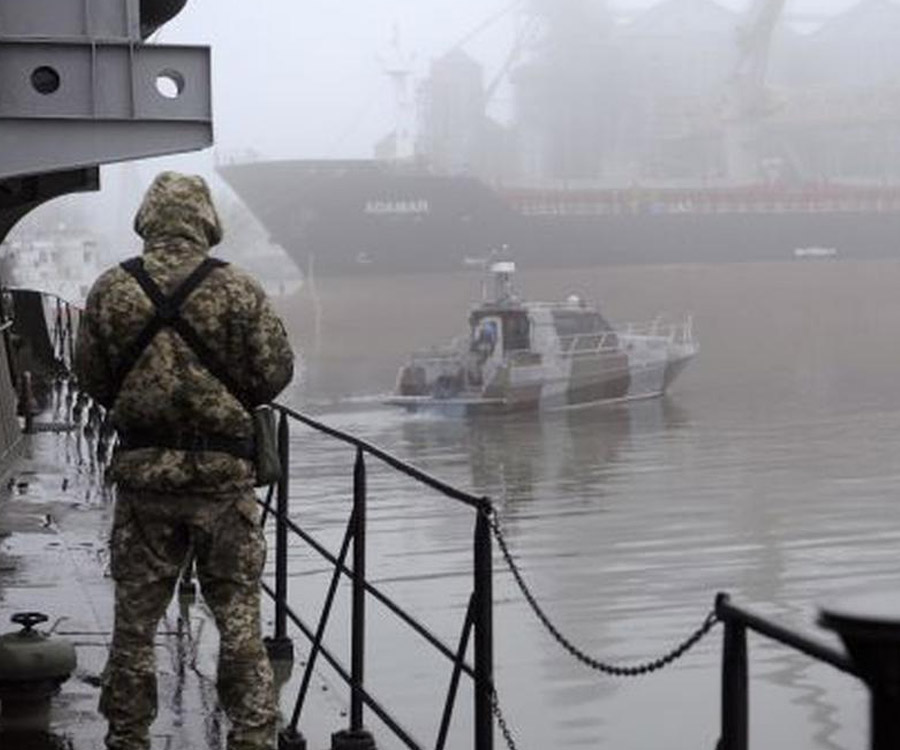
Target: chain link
501	721
584	658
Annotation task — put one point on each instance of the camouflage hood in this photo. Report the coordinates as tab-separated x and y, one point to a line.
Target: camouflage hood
178	207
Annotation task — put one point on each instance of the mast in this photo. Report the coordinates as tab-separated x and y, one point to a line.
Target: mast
397	65
746	102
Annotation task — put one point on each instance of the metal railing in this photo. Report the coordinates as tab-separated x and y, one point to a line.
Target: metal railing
478	621
673	332
735	673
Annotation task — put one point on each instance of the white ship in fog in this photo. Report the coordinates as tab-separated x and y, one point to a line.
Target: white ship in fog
685	133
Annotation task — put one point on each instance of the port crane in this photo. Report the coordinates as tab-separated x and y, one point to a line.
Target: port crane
747	101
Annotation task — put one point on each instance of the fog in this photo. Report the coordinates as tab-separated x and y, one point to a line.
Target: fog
308	80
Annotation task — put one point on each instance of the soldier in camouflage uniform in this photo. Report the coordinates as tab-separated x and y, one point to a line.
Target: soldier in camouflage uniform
170	499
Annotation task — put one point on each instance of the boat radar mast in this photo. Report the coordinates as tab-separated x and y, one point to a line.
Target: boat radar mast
501	273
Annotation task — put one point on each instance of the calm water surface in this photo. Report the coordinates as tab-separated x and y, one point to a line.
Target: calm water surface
771	471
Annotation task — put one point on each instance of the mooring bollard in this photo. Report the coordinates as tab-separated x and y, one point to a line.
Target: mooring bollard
869	626
33	665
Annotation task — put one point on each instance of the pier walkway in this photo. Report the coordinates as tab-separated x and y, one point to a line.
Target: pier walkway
54	523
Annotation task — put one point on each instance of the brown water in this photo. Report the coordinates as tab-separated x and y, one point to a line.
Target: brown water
772	471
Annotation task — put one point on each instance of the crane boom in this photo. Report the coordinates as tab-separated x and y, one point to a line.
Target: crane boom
746	100
754	46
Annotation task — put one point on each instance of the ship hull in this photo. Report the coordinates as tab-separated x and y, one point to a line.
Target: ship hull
366	218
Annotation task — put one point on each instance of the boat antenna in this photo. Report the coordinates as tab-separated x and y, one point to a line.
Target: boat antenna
502	272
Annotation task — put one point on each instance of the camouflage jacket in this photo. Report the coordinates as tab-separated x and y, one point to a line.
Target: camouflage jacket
169	391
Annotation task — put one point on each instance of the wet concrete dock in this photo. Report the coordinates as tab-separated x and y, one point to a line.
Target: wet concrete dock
55	517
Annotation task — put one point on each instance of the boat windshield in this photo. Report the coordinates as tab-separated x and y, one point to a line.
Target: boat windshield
516	332
516	329
575	322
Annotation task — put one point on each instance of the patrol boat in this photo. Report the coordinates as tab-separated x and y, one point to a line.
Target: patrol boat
528	355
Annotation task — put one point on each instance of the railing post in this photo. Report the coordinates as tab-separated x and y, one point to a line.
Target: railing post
735	711
359	592
484	635
357	737
279	646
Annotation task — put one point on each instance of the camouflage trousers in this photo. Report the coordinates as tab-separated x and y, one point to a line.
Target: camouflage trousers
151	538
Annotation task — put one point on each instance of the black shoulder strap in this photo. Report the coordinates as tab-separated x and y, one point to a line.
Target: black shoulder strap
168	313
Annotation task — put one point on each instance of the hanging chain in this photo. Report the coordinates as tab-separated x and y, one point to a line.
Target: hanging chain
584	658
501	721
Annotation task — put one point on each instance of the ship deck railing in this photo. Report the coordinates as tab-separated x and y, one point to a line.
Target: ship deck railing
763	199
349	562
670	332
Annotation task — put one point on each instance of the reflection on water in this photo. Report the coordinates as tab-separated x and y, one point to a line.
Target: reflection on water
771	472
512	457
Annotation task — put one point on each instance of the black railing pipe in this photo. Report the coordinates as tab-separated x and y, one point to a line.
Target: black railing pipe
358	638
484	638
454	678
735	700
320	630
281	529
481	503
357	737
728	612
479	617
735	707
280	645
374	706
380	597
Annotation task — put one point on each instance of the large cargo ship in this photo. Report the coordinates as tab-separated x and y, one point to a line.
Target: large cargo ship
376	218
684	133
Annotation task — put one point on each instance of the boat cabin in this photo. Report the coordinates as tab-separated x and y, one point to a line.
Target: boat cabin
503	324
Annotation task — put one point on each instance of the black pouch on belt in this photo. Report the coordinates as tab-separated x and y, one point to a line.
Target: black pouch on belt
267	461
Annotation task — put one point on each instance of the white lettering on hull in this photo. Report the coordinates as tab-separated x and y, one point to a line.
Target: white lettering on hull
397	208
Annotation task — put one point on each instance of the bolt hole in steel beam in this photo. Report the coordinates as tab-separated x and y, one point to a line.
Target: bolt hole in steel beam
170	84
45	80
